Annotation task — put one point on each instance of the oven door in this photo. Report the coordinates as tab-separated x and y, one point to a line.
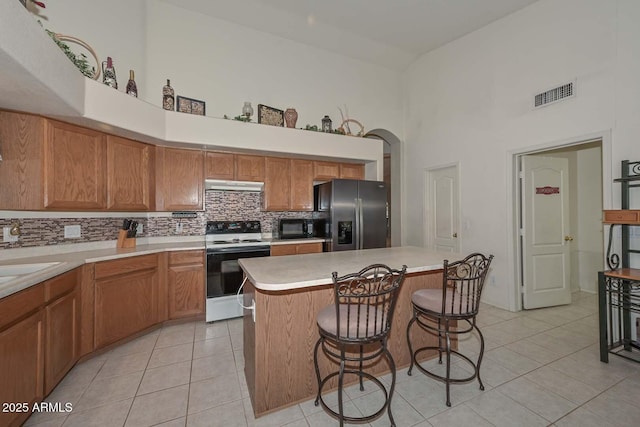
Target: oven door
224	275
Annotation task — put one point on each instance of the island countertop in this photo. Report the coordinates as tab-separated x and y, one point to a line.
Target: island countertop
302	271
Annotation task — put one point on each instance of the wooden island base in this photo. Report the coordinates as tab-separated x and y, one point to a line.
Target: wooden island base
278	347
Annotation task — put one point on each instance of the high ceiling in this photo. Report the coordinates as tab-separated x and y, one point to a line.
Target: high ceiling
391	33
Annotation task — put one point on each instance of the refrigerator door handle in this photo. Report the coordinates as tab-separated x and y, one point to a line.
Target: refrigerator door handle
356	228
361	228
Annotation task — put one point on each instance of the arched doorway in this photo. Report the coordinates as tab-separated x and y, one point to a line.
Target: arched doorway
393	169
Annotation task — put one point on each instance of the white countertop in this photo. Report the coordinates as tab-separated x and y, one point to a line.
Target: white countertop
301	271
70	260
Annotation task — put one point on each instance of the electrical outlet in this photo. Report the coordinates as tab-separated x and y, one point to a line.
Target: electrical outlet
72	231
253	310
7	237
179	228
139	229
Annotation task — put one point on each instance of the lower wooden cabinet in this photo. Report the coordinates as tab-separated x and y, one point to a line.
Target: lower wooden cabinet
186	281
62	338
22	368
126	298
296	249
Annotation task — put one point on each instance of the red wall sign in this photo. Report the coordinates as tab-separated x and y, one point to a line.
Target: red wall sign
547	190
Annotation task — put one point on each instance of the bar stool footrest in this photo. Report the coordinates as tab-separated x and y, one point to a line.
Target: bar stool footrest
440	377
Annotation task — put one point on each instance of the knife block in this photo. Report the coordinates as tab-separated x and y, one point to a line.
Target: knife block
124	241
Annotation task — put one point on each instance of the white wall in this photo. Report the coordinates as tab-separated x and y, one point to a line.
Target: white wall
225	64
471	101
113	28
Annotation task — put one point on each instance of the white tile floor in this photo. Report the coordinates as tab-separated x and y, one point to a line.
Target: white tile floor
541	367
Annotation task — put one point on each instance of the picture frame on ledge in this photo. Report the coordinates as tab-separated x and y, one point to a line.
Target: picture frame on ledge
190	105
270	116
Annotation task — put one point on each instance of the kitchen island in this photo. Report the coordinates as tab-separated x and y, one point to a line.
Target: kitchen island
287	292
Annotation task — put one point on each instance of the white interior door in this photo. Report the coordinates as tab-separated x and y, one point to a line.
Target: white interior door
443	222
545	231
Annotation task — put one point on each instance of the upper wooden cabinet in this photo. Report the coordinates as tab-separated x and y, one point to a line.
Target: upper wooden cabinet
351	171
277	184
129	175
179	179
220	165
229	166
52	165
301	185
326	171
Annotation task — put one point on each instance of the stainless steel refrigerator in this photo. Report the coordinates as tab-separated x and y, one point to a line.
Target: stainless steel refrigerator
356	212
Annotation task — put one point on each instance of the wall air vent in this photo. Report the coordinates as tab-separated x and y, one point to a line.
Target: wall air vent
554	95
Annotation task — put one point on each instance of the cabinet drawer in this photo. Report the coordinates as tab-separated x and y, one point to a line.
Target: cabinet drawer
125	265
186	257
20	304
60	285
622	216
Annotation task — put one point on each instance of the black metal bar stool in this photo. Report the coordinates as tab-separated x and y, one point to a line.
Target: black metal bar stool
440	311
360	316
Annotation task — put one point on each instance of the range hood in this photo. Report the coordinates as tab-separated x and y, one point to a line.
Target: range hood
220	184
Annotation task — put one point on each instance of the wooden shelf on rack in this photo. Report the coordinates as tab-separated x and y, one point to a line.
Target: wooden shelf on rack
624	273
621	216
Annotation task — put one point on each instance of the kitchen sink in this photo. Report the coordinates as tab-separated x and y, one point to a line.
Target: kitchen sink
9	271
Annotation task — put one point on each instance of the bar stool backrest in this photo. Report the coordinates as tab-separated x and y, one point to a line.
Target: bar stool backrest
365	302
462	285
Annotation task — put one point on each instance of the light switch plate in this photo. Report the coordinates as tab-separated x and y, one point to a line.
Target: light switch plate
7	237
72	231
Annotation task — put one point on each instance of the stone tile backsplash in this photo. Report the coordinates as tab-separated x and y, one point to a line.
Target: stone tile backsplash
219	206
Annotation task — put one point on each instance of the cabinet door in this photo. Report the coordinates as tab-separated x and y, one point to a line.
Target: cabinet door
186	290
124	305
74	167
21	137
22	367
249	168
277	184
219	165
181	179
326	170
62	338
309	248
301	185
279	250
351	171
128	175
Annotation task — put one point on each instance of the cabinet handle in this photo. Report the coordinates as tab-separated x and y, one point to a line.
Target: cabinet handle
455	235
568	239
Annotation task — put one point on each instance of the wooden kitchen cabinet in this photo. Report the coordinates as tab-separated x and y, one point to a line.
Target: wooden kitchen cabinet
277	184
22	352
220	165
326	170
179	179
186	281
351	171
74	167
288	184
296	249
250	168
50	165
62	328
126	297
234	167
129	175
301	185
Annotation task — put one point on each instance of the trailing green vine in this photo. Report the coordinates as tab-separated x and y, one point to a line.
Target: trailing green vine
80	61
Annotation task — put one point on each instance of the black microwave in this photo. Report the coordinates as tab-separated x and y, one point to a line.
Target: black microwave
301	228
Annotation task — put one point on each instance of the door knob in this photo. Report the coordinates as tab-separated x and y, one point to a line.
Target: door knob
455	235
568	238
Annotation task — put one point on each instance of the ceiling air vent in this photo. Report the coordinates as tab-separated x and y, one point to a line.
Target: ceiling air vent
554	95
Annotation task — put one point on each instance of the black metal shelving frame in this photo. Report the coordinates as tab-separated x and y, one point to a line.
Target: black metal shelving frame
619	287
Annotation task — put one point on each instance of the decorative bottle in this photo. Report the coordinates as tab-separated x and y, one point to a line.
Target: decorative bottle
132	88
168	97
326	124
247	110
109	73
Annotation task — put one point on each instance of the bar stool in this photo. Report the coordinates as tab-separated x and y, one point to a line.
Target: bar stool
360	316
440	311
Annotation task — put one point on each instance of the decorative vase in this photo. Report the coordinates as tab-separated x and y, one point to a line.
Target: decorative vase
168	97
109	73
326	124
291	117
247	110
